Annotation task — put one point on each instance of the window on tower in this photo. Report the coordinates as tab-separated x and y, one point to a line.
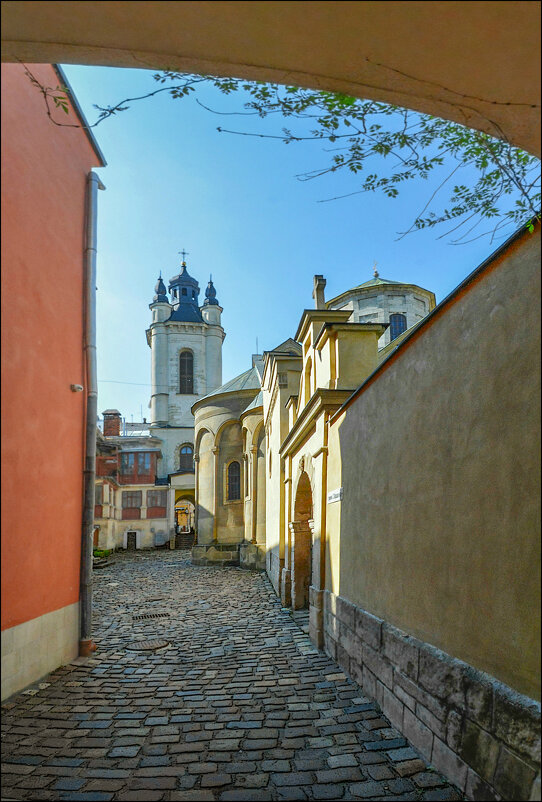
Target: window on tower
397	325
186	458
186	373
184	290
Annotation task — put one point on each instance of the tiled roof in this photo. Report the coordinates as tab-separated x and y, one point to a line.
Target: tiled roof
187	313
375	282
256	402
249	380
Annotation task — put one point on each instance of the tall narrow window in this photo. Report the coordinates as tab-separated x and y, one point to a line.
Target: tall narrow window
234	481
397	325
186	373
127	463
186	458
143	463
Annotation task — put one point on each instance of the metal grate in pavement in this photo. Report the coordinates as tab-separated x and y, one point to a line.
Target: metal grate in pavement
150	615
147	645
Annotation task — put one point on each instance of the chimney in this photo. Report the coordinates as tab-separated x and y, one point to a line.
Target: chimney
318	292
111	423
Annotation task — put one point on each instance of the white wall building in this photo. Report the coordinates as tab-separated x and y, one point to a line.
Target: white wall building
380	300
186	364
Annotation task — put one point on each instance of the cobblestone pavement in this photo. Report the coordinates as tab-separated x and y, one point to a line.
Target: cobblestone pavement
238	706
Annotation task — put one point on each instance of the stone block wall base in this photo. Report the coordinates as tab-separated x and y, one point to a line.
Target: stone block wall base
286	588
478	732
215	554
252	556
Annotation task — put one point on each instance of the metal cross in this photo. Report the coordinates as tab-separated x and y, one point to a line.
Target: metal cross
184	254
375	270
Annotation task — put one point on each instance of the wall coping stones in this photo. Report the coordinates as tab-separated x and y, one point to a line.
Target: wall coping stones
482	734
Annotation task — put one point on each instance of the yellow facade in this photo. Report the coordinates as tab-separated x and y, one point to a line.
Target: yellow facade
401	508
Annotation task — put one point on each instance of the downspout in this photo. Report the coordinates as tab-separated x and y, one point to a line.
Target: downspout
86	645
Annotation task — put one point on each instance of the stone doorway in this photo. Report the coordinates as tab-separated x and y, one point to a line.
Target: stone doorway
301	545
131	541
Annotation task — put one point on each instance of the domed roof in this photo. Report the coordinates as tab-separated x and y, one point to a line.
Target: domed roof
210	294
160	290
184	290
249	380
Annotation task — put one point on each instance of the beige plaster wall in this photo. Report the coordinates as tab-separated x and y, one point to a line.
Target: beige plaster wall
216	419
230	514
277	501
33	649
260	487
333	511
440	520
205	509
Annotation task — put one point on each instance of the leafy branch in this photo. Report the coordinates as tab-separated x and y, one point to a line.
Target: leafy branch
382	145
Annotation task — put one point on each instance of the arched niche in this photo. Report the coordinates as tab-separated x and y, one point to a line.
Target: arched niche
301	543
206	485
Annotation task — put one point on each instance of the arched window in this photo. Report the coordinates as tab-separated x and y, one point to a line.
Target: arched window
234	482
308	371
186	373
397	326
186	458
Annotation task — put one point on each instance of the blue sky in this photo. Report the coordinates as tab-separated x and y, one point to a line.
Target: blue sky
233	202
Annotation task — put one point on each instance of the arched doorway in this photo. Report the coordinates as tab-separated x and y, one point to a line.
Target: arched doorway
184	523
184	515
301	544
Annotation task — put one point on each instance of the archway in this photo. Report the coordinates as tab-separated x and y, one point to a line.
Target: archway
184	515
422	55
301	544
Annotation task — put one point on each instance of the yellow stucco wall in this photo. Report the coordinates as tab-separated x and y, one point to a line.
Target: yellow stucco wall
439	525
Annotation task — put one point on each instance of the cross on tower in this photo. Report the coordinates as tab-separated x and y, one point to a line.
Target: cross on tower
184	254
375	270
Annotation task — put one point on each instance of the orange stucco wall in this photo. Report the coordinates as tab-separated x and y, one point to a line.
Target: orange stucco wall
44	171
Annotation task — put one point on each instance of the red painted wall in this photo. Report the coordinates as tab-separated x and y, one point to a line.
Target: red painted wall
44	170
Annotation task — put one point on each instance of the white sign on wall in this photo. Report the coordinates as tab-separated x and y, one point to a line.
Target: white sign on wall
335	495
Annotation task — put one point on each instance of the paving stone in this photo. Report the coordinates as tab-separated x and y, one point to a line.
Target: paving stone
347	774
409	767
331	791
379	771
336	761
215	780
240	706
367	790
69	784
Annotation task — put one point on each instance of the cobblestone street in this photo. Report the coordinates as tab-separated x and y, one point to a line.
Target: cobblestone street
237	706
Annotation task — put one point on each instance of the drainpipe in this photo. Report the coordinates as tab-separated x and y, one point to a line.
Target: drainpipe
86	645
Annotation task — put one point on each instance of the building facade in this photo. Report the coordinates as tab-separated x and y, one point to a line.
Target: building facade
401	505
155	470
186	363
133	506
47	291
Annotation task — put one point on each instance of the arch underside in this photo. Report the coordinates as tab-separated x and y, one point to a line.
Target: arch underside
476	65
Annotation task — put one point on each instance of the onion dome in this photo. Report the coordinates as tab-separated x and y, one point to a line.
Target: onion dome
161	293
210	294
184	292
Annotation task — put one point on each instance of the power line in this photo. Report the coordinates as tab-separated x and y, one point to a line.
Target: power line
113	381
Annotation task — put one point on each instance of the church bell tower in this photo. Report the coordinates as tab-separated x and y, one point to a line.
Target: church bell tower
186	361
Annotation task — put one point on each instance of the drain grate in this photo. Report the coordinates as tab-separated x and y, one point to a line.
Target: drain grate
147	645
150	615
